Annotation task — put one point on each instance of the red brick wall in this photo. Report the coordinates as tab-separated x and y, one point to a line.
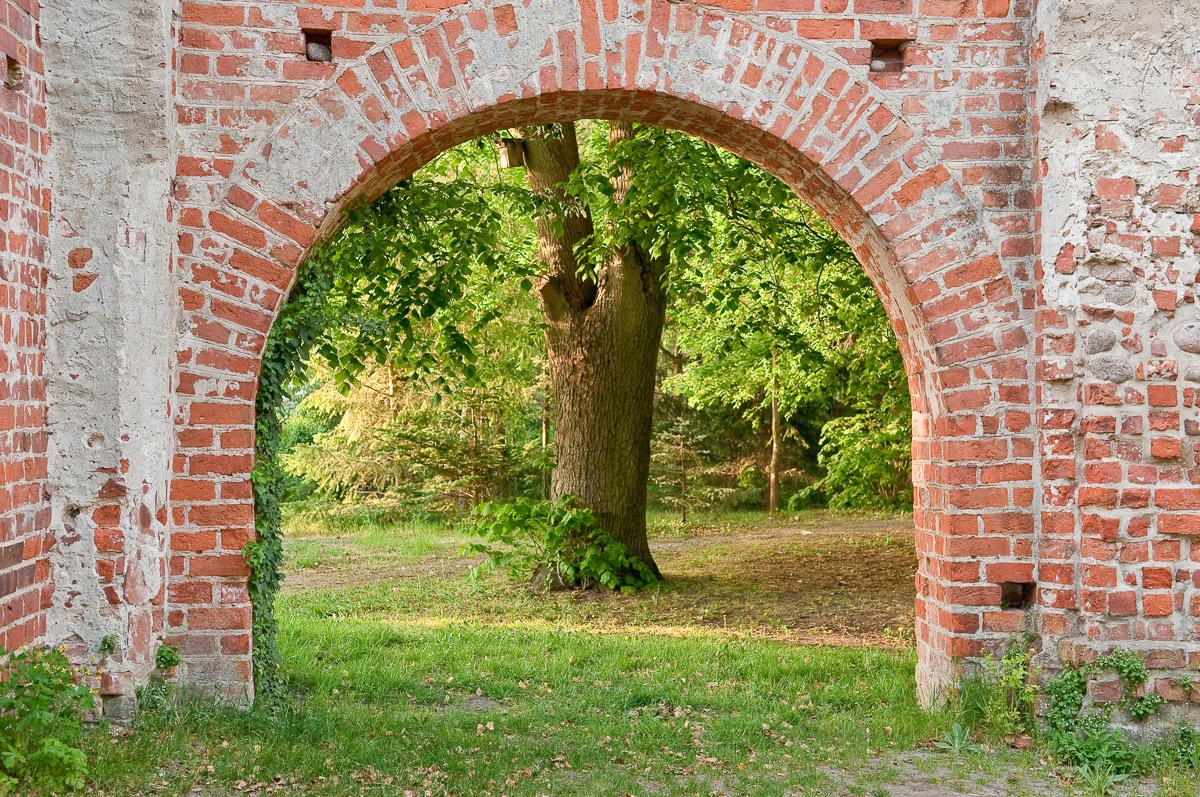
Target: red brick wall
926	171
24	205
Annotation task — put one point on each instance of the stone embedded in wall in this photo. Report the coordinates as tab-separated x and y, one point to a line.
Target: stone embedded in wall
1100	340
1120	294
1112	368
1187	337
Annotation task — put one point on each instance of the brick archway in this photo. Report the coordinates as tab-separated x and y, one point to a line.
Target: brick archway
802	112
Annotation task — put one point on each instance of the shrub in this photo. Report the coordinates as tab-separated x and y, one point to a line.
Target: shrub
554	543
41	711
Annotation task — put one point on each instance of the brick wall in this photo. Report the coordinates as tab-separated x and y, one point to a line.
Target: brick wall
24	518
926	171
1023	193
1118	355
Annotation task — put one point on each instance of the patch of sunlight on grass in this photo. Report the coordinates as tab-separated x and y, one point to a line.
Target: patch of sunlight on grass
324	535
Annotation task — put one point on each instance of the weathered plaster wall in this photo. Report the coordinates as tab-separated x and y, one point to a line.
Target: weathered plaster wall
1119	151
24	519
112	325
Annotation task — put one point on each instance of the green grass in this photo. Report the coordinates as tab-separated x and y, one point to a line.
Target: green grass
571	712
341	536
436	683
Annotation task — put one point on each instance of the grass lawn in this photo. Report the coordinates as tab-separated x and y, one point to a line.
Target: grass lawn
410	677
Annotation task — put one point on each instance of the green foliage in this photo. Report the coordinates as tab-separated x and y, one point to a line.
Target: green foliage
41	707
956	740
431	286
1088	740
867	458
774	306
1100	779
1000	699
166	658
397	438
687	469
555	542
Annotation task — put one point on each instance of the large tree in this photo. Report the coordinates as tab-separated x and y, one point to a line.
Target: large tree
603	307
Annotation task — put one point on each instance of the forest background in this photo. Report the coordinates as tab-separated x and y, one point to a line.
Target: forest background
419	376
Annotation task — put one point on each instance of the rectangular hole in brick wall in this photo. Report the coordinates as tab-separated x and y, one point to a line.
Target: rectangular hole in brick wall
1016	595
12	72
887	55
318	45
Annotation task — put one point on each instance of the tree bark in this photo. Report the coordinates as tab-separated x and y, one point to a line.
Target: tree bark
602	339
773	476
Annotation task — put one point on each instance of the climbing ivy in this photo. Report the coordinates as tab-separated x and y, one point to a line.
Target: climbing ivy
288	346
1088	739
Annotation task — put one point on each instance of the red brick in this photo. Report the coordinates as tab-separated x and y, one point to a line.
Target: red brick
1157	578
1166	447
1158	604
218	565
218	619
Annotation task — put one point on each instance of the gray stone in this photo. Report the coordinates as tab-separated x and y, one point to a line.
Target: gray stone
1120	294
1111	368
120	709
1112	272
1187	337
1192	375
1099	340
315	51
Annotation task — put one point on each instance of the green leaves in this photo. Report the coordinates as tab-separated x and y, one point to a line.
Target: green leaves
554	543
403	283
41	708
774	305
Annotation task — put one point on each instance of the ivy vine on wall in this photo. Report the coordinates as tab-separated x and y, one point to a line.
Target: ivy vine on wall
300	322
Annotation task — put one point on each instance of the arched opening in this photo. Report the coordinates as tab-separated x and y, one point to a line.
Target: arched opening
809	123
773	341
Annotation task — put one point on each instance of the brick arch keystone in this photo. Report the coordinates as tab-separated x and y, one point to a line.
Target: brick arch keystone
774	98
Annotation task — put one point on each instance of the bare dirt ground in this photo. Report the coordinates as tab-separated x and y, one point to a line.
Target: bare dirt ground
837	579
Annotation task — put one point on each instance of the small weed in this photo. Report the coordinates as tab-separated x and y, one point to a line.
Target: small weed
1100	779
956	740
1000	699
166	658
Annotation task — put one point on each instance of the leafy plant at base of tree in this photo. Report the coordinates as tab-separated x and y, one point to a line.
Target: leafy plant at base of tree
41	709
555	543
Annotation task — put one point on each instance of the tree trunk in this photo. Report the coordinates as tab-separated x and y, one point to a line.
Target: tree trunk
602	339
773	476
545	441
